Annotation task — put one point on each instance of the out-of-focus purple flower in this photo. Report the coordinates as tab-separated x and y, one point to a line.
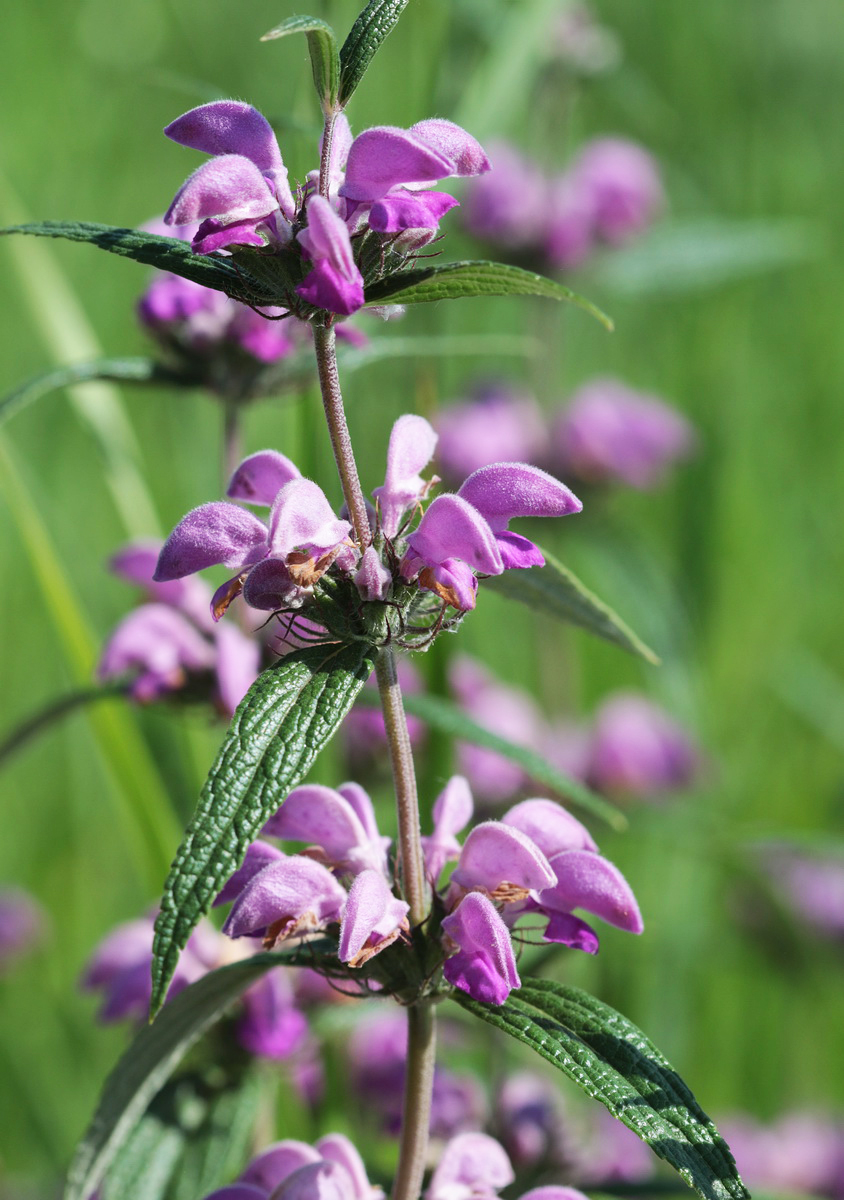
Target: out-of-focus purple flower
332	1169
509	204
800	1153
503	710
23	925
120	967
377	1050
638	750
610	433
272	1026
363	729
529	1121
570	234
609	1152
482	961
812	884
473	1166
582	43
165	642
623	187
496	422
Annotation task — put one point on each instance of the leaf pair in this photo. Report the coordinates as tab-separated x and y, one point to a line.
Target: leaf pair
338	73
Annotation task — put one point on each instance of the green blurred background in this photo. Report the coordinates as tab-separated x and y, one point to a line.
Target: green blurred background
733	571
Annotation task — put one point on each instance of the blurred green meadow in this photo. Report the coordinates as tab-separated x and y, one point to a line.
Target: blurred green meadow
733	570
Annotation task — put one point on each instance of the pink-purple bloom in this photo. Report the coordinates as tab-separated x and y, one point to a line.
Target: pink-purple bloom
611	433
23	925
801	1153
496	422
637	749
377	182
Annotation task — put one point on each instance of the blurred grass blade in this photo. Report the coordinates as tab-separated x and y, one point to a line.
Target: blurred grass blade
555	590
40	721
60	319
156	1052
470	279
446	717
685	257
110	370
376	21
503	87
322	47
147	816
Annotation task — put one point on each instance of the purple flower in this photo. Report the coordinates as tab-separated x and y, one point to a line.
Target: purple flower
473	1166
363	729
622	183
272	1026
23	925
411	448
612	1153
276	565
610	433
503	491
812	884
452	812
638	750
372	919
496	421
289	897
165	642
451	542
334	282
481	960
509	204
802	1153
570	233
330	1170
529	1121
341	823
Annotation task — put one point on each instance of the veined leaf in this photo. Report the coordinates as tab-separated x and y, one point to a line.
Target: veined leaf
168	254
157	1050
450	719
466	280
325	60
217	1149
556	590
112	370
612	1061
281	724
365	37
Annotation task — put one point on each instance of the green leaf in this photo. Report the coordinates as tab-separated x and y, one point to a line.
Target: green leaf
156	1052
555	590
219	1146
448	718
113	370
613	1061
147	1162
286	717
365	37
168	254
463	280
325	61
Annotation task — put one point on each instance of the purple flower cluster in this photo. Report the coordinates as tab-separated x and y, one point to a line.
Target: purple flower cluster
165	643
378	183
812	885
537	862
802	1153
278	564
472	1166
607	433
631	749
608	195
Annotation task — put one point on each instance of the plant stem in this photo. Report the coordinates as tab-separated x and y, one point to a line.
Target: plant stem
30	727
418	1089
325	156
341	443
232	447
411	862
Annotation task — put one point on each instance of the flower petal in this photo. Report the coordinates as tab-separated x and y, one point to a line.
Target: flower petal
466	154
258	855
215	533
319	1181
484	964
453	528
326	287
371	920
502	491
400	210
279	1160
303	520
495	854
261	476
269	586
336	1148
285	893
568	930
588	881
322	816
411	448
549	826
228	127
238	664
230	188
384	156
472	1164
326	236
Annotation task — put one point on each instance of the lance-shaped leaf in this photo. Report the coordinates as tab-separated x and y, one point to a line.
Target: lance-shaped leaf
469	279
286	717
556	590
113	370
448	718
364	40
156	1052
613	1061
325	60
168	254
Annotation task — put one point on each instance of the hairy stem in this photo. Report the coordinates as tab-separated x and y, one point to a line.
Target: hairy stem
325	154
341	443
418	1089
411	862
